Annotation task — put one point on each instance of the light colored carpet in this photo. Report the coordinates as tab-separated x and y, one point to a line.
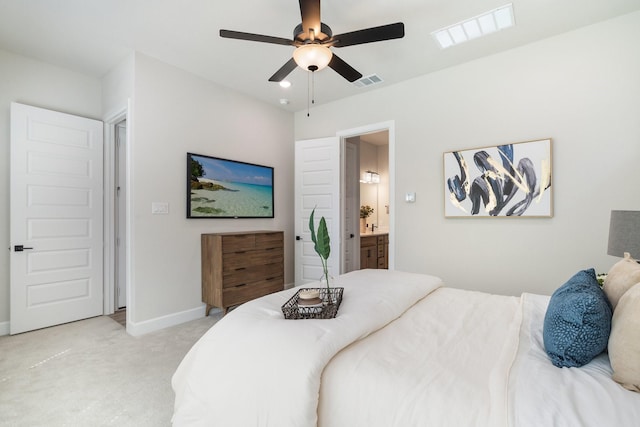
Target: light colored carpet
91	373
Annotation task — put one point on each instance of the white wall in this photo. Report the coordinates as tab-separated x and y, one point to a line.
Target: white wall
176	112
42	85
582	89
117	87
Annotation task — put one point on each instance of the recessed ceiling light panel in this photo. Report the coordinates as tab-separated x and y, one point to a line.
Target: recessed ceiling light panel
481	25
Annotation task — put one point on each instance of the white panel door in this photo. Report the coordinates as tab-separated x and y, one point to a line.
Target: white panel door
317	184
55	218
351	208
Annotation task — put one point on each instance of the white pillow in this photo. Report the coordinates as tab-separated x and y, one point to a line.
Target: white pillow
624	340
622	276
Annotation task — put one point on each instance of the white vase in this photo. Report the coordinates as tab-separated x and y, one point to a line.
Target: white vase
363	225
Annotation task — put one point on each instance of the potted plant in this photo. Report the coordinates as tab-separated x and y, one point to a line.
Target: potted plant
365	212
322	245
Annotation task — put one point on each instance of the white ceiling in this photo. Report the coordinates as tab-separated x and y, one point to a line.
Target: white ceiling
92	36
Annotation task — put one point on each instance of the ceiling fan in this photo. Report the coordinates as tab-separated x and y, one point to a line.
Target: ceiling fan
313	39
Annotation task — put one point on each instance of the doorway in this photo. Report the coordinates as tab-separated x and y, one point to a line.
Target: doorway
368	180
318	163
374	180
120	224
117	295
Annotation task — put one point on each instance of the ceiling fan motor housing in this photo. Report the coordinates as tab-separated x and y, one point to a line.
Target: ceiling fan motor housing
324	34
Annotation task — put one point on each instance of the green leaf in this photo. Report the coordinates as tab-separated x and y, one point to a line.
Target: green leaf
323	247
312	227
321	240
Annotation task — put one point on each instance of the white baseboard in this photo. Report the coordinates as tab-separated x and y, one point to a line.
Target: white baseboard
4	328
146	326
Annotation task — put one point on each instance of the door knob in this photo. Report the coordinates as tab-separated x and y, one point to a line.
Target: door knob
298	238
351	236
20	248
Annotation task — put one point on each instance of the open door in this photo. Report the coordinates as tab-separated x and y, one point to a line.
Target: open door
55	218
350	208
317	185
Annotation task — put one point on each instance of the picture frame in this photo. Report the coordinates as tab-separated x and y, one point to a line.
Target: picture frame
507	180
224	188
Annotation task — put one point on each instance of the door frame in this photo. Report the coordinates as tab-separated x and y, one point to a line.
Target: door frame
110	122
390	126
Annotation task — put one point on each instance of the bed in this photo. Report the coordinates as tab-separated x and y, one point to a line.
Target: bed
404	350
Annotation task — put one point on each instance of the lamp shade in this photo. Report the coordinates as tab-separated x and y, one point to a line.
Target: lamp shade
624	233
310	55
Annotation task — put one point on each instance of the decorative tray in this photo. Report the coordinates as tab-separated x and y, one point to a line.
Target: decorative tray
326	306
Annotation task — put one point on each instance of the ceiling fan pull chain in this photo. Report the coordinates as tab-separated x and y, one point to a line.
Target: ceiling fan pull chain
313	87
308	93
311	84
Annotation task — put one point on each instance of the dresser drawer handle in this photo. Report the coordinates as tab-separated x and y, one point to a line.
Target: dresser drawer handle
270	278
241	285
241	268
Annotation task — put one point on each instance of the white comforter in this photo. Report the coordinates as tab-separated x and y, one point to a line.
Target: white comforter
403	351
254	368
445	362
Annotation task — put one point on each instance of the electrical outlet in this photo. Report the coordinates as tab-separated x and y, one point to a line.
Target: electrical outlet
160	208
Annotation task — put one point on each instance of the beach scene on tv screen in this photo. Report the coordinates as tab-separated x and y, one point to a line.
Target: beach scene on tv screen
224	188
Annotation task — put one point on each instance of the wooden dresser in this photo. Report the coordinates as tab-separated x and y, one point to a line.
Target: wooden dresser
238	267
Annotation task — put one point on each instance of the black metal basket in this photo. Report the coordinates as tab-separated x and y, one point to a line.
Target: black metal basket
331	300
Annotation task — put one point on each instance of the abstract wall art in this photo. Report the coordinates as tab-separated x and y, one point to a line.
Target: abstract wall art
511	180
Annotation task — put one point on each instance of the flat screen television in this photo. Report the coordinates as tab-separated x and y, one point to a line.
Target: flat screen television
222	188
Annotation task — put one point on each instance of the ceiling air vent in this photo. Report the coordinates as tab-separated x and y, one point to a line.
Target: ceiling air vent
367	81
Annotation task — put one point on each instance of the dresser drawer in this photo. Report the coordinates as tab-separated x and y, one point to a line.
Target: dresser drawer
235	260
248	275
238	242
242	293
269	241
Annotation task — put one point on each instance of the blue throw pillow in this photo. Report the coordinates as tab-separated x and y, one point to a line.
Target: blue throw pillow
578	321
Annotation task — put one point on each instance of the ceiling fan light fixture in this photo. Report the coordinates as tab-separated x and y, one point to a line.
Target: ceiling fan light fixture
312	55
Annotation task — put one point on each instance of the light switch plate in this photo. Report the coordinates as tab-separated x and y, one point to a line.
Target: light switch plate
410	197
159	208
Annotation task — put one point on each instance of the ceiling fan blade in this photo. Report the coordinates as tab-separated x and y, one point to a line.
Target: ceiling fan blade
344	69
369	35
310	12
284	71
238	35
